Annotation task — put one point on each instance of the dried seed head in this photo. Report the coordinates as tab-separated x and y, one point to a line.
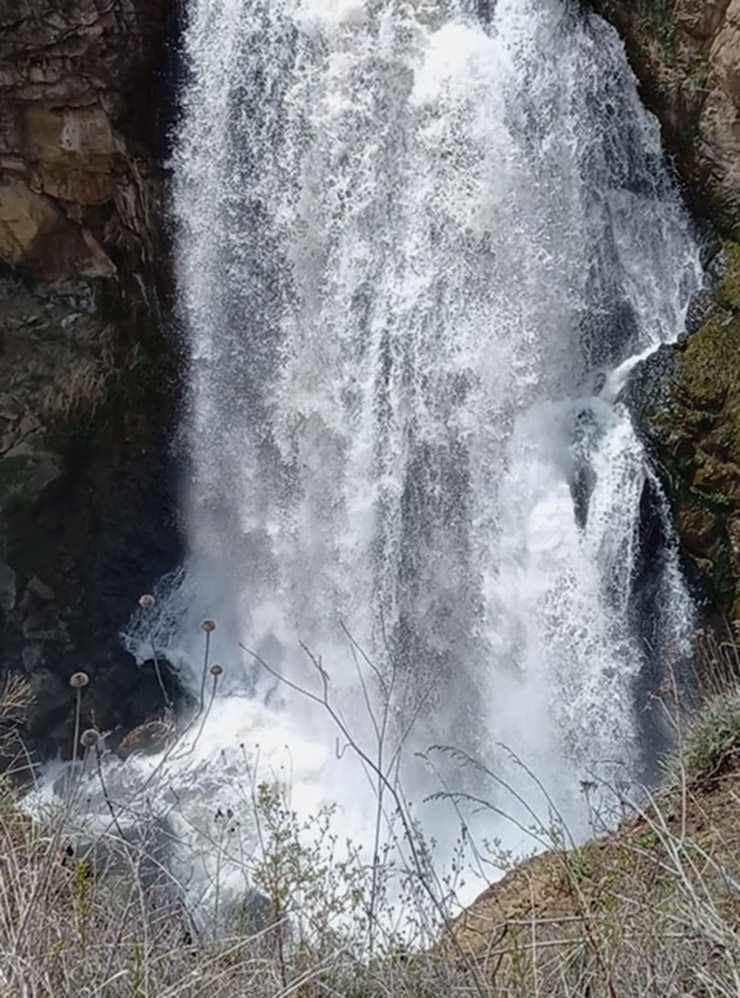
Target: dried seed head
90	738
146	602
216	671
208	626
78	679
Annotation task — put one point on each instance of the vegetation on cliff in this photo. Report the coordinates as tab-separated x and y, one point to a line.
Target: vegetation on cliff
686	400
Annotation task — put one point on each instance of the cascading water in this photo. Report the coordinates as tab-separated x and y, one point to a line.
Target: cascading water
418	243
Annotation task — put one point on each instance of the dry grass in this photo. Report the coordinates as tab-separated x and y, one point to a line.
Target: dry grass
653	909
650	910
80	387
15	699
81	383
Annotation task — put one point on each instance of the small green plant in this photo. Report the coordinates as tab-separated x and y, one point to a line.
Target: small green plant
656	18
319	890
648	840
578	865
82	887
83	894
697	78
729	289
714	737
689	133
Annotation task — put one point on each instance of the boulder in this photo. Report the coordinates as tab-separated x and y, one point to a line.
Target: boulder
43	625
39	590
149	738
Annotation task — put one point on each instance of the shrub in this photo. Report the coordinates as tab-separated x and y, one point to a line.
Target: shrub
714	737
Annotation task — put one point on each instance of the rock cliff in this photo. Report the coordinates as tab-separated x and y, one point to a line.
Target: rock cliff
686	54
87	362
79	190
685	400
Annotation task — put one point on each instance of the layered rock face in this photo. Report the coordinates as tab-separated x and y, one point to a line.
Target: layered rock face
686	54
88	366
78	193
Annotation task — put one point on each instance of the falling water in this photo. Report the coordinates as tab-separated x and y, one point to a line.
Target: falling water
418	244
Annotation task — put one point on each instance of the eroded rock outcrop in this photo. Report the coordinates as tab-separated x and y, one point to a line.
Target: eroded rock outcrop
88	368
79	190
686	54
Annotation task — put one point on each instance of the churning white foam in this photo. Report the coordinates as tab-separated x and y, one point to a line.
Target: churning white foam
412	242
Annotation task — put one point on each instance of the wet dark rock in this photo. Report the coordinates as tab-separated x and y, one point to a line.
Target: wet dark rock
34	656
599	382
53	702
648	389
699	309
7	588
718	266
44	625
583	477
38	589
685	404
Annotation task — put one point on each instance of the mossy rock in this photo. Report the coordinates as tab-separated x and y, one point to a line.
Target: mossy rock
685	403
728	294
706	394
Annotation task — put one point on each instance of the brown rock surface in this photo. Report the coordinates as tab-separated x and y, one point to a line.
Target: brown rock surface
686	54
73	158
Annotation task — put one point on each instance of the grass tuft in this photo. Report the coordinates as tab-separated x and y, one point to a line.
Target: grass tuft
714	738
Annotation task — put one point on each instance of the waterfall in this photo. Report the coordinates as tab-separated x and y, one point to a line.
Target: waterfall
419	245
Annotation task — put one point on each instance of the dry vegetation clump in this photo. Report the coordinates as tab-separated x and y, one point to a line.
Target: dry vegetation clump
652	909
81	385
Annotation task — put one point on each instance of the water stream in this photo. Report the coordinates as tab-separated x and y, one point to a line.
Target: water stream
418	243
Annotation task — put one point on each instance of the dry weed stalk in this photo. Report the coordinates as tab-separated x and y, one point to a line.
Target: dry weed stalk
651	911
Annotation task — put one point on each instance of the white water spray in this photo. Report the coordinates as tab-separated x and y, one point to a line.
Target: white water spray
411	241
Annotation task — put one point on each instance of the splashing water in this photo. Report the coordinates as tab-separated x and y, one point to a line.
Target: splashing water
417	248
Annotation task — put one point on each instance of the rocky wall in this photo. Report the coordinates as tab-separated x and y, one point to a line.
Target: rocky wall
88	356
686	54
